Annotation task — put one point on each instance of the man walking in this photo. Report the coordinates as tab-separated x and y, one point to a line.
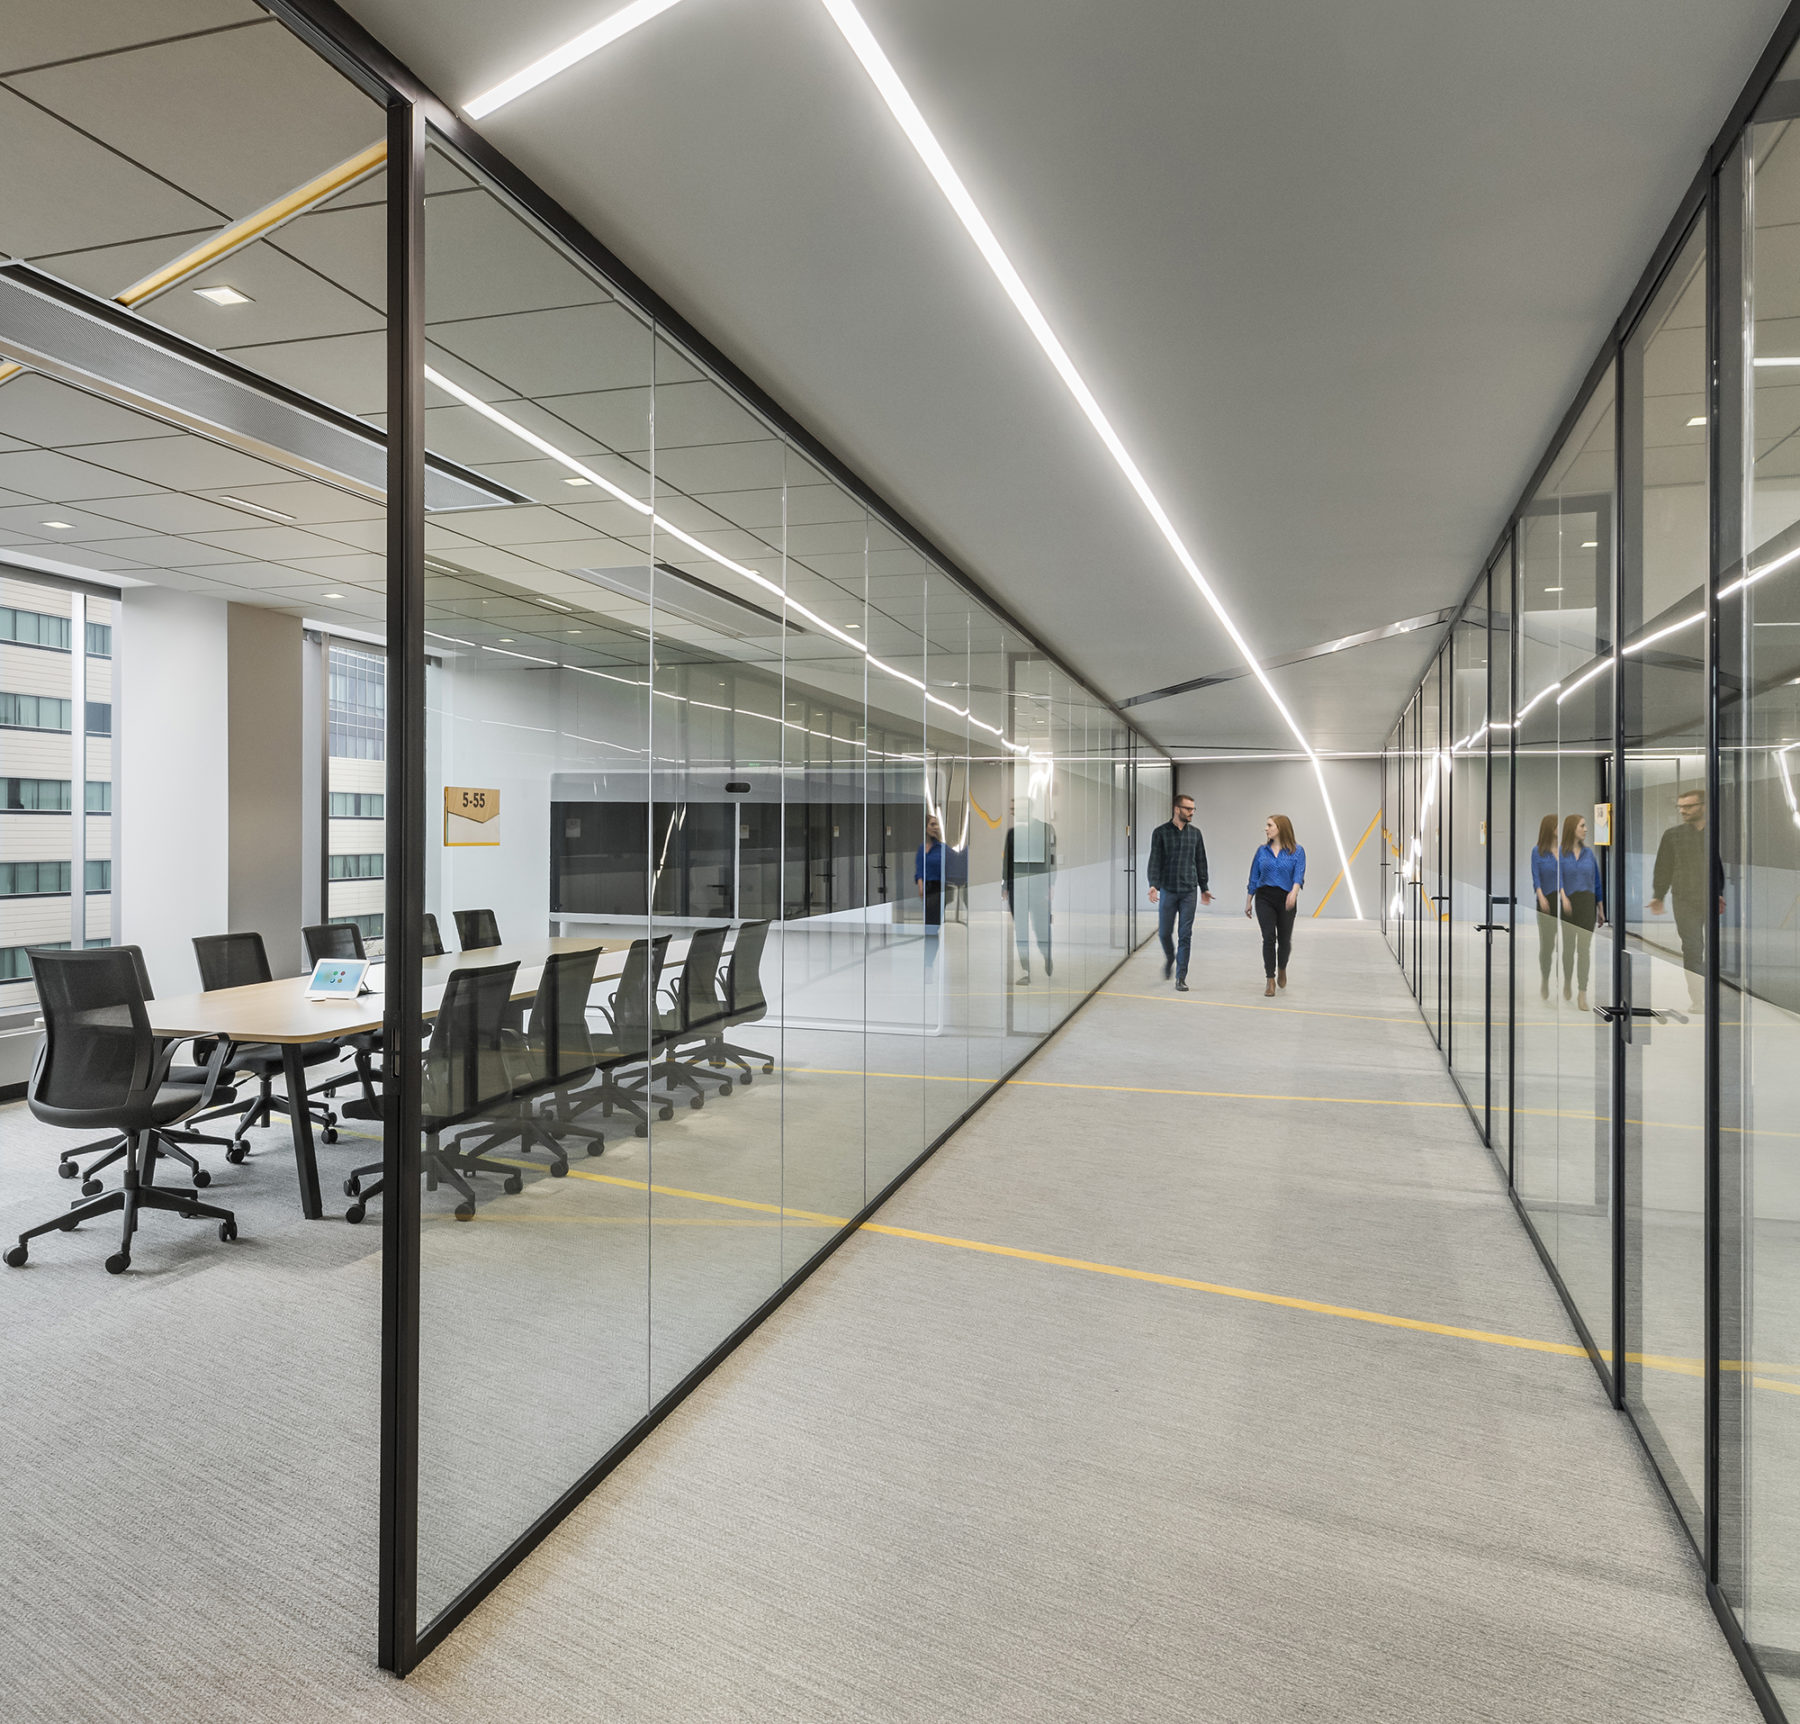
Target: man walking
1027	869
1178	878
1682	866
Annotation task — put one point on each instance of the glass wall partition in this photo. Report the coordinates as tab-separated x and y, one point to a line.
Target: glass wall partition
1467	931
1510	915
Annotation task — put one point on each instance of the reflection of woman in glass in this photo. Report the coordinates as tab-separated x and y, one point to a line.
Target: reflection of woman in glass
1583	903
1545	885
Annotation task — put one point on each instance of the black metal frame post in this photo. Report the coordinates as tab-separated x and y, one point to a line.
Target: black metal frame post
405	895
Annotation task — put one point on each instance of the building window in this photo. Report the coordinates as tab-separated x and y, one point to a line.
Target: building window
99	876
357	805
358	705
99	718
33	628
16	967
33	712
368	866
93	945
99	640
35	795
99	796
368	926
34	879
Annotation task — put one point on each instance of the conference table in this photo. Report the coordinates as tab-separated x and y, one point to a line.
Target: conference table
279	1013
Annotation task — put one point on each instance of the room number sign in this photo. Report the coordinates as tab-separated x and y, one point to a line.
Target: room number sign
471	816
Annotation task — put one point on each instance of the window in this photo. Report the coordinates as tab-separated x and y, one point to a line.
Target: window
16	967
357	805
99	877
34	879
36	795
368	926
358	702
33	712
367	866
99	718
99	640
33	628
93	945
99	796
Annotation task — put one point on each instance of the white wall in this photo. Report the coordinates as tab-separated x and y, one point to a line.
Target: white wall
1233	799
171	812
266	781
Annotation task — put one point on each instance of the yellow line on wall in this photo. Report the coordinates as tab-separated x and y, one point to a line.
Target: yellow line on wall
1353	856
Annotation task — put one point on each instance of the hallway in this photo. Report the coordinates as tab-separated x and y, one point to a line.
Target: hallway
949	1482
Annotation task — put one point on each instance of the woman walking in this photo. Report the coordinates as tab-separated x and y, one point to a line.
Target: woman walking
1583	898
1545	884
1277	872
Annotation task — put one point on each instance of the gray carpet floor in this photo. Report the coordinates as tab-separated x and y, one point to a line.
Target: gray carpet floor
943	1483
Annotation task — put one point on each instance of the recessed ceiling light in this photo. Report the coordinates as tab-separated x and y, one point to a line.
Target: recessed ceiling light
334	595
245	503
578	481
1698	419
222	295
60	526
1553	589
852	625
506	640
571	631
1590	544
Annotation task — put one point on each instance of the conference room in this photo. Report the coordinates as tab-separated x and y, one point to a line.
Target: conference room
507	851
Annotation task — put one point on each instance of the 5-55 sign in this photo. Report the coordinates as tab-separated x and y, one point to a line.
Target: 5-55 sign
470	815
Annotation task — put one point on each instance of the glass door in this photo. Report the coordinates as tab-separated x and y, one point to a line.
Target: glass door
1663	910
1504	887
1468	929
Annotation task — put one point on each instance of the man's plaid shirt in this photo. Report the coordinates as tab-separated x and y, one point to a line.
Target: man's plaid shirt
1177	858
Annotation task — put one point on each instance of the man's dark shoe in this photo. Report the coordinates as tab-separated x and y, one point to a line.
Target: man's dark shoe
1168	968
1181	986
1049	966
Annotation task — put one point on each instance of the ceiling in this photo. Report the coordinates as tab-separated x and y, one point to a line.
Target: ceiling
1334	270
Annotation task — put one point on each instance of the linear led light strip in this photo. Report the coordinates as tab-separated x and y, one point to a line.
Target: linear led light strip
545	447
900	103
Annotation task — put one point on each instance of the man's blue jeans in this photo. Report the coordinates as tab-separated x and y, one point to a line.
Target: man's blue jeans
1169	906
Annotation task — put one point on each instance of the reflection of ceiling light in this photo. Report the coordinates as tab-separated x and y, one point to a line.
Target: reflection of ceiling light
852	625
223	295
571	53
905	110
245	503
1590	544
506	640
554	605
571	631
1553	589
60	526
1774	360
1698	419
578	481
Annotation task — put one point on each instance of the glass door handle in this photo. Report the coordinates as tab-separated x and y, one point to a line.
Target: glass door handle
1493	927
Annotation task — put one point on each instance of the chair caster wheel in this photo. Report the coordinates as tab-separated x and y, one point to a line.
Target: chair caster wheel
118	1263
202	1178
769	1067
514	1184
330	1134
744	1081
69	1225
725	1089
66	1170
559	1170
465	1212
92	1187
355	1213
665	1113
641	1129
352	1186
596	1146
238	1154
15	1258
697	1102
227	1232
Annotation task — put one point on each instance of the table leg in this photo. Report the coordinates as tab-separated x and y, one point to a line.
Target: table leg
305	1163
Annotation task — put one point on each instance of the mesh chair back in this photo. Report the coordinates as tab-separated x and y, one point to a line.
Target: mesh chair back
465	1071
332	940
143	969
559	1049
634	1027
744	997
431	942
98	1052
231	960
477	929
697	1001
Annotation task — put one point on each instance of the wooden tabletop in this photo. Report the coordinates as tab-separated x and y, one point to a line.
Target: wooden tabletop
280	1012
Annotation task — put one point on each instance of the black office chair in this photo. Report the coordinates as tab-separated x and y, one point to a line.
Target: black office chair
344	940
467	1080
695	1010
101	1068
745	1001
550	1062
632	1039
169	1140
431	942
240	961
476	929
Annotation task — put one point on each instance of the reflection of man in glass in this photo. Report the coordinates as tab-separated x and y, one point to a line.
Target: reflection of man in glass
1682	868
1027	867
